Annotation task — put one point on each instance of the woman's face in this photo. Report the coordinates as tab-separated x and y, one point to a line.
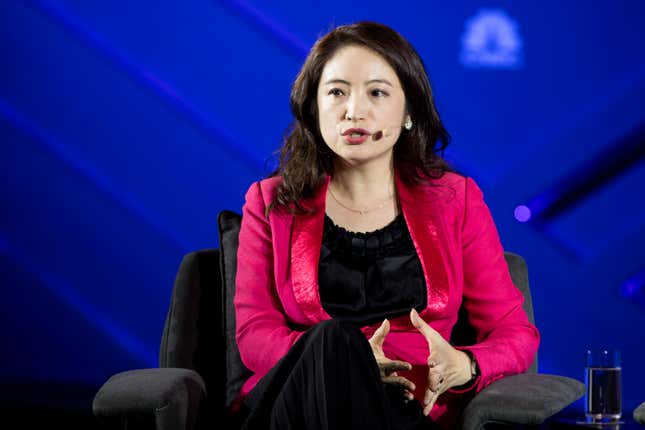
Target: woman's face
359	90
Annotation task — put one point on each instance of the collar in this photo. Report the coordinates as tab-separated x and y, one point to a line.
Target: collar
418	204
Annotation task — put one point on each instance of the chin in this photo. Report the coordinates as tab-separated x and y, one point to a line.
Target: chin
362	159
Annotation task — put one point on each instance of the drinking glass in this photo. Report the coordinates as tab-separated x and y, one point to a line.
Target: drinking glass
603	398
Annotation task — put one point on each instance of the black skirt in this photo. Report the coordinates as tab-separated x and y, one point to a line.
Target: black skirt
330	380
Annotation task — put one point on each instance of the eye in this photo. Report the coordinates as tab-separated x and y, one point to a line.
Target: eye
378	93
336	92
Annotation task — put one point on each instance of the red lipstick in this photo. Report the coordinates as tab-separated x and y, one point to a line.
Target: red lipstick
355	136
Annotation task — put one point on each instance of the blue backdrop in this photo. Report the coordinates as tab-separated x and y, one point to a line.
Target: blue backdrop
125	127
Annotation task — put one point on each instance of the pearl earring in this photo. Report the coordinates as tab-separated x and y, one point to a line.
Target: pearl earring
408	123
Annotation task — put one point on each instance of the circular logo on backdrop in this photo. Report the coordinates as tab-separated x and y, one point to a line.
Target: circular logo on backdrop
491	39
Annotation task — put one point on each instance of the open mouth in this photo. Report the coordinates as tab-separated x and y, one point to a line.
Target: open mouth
355	136
356	132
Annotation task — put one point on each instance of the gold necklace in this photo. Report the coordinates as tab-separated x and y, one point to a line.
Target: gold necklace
359	211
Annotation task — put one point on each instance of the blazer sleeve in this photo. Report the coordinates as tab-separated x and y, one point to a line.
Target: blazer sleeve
506	340
262	333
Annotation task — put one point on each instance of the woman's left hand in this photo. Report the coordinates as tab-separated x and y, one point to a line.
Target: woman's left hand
447	367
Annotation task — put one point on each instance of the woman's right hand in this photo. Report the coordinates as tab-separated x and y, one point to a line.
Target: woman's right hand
387	367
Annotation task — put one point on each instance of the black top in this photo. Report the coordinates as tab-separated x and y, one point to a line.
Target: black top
367	277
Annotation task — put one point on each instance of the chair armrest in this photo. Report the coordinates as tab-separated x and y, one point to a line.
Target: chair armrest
168	397
527	399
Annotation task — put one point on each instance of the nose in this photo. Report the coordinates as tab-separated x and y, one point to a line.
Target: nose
356	108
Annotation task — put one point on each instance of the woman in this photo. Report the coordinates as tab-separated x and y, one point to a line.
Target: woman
356	255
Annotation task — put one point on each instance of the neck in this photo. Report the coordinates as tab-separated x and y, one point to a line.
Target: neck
363	184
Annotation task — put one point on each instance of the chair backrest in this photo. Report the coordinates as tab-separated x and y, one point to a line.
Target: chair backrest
193	337
199	331
520	275
236	373
462	332
201	319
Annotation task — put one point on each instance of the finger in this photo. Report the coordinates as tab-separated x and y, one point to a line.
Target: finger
435	381
379	335
392	366
432	383
427	408
427	397
400	381
428	332
432	361
408	394
440	386
429	392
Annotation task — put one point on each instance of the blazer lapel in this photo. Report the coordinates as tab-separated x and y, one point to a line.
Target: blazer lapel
422	218
305	252
424	223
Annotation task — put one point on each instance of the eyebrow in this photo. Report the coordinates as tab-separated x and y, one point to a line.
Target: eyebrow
342	81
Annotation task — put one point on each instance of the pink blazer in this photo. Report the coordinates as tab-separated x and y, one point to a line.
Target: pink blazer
462	258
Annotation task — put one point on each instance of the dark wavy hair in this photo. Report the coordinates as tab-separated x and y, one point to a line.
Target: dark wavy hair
305	159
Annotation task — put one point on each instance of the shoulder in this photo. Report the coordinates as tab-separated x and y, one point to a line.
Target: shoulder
450	180
464	186
455	181
452	190
449	187
263	191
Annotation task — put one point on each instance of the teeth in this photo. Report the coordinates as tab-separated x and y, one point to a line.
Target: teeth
356	134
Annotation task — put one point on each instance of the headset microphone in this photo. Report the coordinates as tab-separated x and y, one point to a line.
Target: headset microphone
384	132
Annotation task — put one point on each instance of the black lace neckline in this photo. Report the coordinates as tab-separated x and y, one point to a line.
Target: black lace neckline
330	223
372	243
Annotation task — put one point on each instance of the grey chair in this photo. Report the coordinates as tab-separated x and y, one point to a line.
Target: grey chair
200	371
